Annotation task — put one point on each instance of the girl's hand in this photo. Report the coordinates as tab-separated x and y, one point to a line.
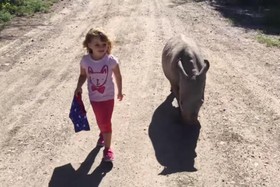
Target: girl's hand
120	96
78	91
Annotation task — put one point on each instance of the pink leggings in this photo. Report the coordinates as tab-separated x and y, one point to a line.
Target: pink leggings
103	111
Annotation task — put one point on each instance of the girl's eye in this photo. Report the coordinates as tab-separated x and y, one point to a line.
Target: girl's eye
100	45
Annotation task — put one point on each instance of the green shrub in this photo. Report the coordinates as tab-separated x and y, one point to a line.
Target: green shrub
36	5
25	7
269	41
5	16
30	7
12	8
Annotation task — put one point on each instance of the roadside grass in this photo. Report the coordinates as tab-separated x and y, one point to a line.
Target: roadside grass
269	41
267	21
12	8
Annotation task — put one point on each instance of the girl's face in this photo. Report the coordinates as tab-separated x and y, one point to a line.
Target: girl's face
99	48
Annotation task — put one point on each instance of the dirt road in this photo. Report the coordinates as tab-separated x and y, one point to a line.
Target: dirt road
238	143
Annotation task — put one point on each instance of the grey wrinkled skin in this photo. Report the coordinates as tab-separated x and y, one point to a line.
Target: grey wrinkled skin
186	70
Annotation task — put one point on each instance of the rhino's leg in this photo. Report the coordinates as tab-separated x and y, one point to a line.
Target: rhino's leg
175	91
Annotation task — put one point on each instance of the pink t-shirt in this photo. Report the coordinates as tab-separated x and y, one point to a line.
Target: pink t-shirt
99	77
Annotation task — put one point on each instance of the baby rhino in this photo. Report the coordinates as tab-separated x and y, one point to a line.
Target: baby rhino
186	70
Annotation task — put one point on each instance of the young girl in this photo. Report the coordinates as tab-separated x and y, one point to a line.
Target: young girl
97	67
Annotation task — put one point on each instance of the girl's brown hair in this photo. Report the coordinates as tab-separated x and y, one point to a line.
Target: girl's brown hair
94	33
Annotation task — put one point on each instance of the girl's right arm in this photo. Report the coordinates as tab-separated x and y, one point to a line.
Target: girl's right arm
81	81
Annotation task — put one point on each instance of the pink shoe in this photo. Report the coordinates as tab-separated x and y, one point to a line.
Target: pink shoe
108	155
100	141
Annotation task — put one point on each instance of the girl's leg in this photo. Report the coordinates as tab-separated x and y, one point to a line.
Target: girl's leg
107	139
103	113
100	141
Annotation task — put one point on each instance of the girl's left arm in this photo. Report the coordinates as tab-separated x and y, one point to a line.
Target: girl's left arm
118	77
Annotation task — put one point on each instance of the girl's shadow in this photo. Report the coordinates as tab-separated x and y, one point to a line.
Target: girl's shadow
66	176
174	143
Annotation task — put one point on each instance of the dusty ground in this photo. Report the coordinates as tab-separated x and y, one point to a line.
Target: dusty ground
237	145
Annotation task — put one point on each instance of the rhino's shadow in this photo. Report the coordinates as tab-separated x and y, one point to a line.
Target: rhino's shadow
174	143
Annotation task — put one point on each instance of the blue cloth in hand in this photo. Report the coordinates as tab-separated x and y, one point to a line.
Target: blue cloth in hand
78	114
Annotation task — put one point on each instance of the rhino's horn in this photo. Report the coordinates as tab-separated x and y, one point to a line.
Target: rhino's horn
182	68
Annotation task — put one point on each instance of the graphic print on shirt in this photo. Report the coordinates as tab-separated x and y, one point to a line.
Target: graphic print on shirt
98	79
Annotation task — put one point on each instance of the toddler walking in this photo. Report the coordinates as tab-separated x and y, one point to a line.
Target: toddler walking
98	67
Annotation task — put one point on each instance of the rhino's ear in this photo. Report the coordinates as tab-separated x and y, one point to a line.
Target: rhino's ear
207	65
204	68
